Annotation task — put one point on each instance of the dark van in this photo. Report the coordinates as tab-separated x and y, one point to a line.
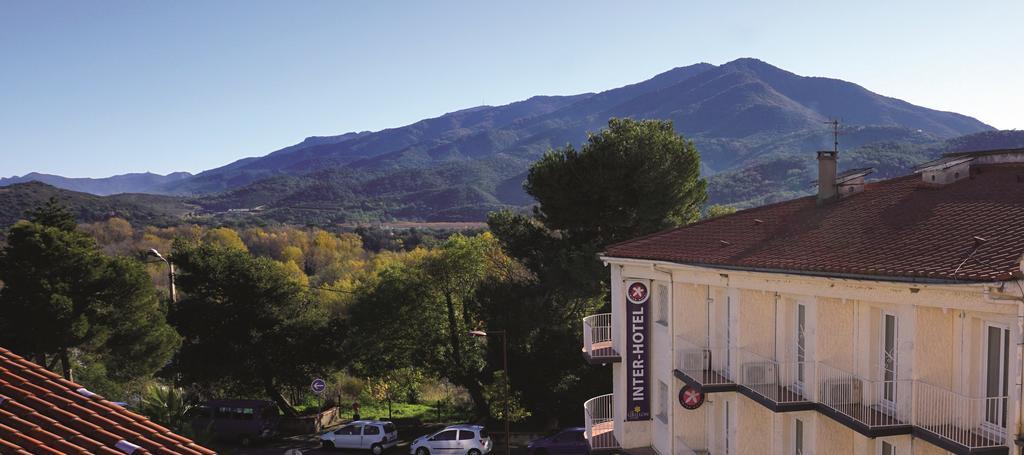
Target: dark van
244	421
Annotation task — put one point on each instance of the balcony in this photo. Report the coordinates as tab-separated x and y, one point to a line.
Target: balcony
694	448
600	423
870	407
598	347
959	423
779	386
704	368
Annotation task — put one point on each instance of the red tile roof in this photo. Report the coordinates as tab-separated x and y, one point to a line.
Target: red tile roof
42	413
896	229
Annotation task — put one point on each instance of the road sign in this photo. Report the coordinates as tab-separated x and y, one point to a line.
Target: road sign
690	398
318	385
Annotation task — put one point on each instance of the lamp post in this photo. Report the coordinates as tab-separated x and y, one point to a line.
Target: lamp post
170	274
508	379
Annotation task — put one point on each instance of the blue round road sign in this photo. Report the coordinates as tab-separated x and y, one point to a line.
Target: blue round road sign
318	385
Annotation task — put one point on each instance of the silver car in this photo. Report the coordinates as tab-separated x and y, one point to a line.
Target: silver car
454	440
373	435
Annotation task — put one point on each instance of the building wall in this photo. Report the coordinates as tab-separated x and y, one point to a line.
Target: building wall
934	358
755	429
834	340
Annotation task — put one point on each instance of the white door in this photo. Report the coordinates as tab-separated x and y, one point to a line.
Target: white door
371	434
888	360
348	436
996	377
445	442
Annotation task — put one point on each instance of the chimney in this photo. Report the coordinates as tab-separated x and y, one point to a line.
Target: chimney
827	175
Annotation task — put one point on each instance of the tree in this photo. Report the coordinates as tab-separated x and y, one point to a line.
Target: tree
717	210
425	302
631	179
248	325
60	294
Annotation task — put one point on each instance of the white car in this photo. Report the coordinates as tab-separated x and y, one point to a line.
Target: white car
453	440
375	435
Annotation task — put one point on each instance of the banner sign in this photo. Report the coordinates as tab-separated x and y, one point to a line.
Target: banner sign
638	396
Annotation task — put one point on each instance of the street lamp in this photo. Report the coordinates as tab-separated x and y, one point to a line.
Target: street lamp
508	379
170	275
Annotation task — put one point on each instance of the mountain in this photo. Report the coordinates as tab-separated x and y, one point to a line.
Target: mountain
139	209
125	183
744	114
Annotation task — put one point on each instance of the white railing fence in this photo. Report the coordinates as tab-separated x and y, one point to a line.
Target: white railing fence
599	420
597	331
780	382
875	403
709	365
969	421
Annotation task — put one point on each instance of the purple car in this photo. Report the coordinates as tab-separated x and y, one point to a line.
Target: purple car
568	441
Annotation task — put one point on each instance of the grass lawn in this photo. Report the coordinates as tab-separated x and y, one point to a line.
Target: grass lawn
422	411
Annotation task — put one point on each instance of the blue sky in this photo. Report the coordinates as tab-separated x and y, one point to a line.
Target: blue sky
98	88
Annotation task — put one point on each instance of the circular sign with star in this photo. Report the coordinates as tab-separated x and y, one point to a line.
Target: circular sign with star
690	398
637	292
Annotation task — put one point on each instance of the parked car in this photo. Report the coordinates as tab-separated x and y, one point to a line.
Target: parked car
568	441
454	440
244	421
375	435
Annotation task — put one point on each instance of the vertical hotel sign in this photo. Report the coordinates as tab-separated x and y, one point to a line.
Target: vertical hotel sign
638	396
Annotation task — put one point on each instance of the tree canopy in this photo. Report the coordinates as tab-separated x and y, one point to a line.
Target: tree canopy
61	294
248	325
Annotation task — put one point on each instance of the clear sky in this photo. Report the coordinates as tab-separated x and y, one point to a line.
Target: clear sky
90	89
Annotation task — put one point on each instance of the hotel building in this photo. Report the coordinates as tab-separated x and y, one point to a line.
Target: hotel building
872	318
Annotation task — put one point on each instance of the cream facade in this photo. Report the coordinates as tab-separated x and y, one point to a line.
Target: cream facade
801	364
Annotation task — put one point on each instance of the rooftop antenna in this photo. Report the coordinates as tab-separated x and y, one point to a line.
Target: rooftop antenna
835	133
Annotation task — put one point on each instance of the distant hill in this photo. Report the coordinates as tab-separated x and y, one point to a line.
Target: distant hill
745	117
139	209
125	183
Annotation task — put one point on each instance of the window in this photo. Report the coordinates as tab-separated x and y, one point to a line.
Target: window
662	402
662	296
465	434
389	428
371	430
447	435
888	449
798	437
889	357
483	433
801	343
996	376
350	430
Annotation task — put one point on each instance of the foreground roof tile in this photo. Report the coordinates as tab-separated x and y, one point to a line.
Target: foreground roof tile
41	412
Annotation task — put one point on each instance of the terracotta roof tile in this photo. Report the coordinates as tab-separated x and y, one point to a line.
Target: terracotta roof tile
897	228
41	412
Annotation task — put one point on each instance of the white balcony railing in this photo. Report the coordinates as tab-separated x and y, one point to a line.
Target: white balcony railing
694	448
780	382
600	422
597	336
873	403
706	365
971	422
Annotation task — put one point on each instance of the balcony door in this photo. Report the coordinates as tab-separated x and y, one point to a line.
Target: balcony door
997	358
889	356
801	347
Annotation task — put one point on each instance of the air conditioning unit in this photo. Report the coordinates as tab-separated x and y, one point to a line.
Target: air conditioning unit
696	360
845	391
759	373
